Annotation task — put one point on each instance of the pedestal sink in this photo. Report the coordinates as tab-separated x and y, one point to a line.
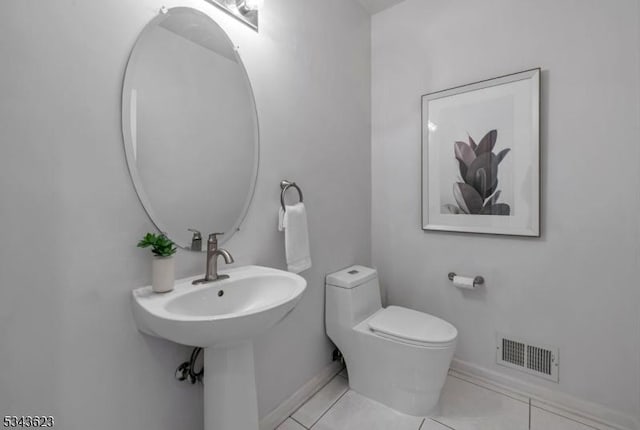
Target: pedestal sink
223	318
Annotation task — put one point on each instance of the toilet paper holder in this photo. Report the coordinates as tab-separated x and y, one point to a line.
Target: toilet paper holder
477	281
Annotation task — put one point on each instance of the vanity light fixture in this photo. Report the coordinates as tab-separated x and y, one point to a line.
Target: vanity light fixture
246	6
246	11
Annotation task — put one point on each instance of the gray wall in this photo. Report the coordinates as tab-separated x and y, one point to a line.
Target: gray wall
70	217
575	286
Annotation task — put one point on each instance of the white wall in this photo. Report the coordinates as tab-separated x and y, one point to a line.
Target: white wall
70	216
574	287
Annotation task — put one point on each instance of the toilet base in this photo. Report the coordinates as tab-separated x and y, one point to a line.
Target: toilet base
407	378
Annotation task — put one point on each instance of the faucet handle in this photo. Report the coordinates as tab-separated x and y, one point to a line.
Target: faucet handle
196	240
213	237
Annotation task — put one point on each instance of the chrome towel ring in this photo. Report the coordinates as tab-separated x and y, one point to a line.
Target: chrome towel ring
285	185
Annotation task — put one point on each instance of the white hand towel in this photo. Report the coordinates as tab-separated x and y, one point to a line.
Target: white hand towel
293	222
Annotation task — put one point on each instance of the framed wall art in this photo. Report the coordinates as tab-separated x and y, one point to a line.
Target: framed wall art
481	157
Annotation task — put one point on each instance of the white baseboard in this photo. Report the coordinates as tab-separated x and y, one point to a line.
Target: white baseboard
589	413
289	406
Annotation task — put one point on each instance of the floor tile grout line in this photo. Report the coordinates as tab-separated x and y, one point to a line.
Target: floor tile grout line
561	416
303	426
492	390
530	402
462	379
441	423
329	408
316	392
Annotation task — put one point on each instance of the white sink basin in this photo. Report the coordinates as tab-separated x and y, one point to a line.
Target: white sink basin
241	307
223	317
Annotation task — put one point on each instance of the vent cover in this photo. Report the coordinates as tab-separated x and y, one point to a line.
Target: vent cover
536	360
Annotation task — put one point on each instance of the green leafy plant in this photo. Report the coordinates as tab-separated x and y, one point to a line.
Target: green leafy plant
161	245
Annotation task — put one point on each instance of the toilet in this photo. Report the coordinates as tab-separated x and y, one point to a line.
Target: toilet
396	356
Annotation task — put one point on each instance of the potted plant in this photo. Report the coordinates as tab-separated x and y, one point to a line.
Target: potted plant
163	265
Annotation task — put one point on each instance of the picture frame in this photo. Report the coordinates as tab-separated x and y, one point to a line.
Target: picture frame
481	157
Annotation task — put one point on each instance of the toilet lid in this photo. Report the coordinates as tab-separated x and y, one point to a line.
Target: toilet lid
415	327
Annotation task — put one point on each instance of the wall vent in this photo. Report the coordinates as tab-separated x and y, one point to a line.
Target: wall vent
536	360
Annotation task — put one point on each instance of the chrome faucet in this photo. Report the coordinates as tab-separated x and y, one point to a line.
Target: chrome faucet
211	274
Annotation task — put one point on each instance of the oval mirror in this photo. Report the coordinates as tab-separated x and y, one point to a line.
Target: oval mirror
190	126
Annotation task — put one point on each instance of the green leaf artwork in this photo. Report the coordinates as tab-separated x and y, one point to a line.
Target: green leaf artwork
478	194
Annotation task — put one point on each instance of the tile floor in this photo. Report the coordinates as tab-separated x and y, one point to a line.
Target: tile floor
464	406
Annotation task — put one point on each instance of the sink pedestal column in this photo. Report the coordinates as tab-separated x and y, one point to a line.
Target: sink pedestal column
230	398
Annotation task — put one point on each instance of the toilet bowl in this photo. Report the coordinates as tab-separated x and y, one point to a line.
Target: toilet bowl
396	356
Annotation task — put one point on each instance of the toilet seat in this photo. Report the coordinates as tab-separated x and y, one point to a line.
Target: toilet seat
412	327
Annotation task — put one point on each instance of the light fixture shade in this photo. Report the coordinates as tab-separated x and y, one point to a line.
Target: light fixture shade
253	4
244	10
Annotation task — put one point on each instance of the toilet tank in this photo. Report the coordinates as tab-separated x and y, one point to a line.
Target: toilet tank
352	294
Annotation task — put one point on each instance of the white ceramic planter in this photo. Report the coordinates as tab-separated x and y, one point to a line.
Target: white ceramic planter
163	274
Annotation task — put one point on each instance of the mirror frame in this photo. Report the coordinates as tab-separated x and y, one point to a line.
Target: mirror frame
128	145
